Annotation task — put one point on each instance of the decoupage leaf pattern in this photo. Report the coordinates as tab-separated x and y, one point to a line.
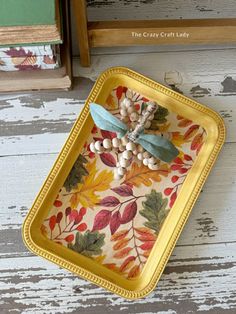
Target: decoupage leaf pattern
117	223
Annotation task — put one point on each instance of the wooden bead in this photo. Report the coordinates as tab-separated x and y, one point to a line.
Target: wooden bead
115	142
140	156
127	154
121	148
124	162
99	147
145	161
121	171
130	110
134	116
151	117
127	102
130	146
107	143
140	148
135	152
92	148
124	140
146	154
153	166
125	119
123	112
147	124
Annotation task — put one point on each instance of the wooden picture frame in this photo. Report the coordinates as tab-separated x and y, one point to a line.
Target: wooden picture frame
148	32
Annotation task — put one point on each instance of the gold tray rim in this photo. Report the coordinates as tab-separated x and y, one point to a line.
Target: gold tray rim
185	212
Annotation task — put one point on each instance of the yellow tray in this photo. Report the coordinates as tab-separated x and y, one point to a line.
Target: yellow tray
120	234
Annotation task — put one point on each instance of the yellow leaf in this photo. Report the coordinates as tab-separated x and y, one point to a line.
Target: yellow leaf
100	258
163	127
85	193
140	174
178	139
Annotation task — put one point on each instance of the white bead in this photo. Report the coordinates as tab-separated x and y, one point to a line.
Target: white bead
99	147
127	102
151	117
153	166
127	154
145	161
117	164
147	124
107	143
124	162
140	156
134	116
124	140
135	152
130	146
140	148
121	148
151	106
146	155
123	112
121	171
116	175
143	112
115	142
152	160
131	110
92	148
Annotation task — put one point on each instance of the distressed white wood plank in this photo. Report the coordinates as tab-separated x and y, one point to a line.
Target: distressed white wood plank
212	219
159	9
194	280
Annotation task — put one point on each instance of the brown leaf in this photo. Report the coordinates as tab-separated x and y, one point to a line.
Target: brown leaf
134	271
102	219
191	132
129	212
184	123
140	174
109	201
115	222
108	159
196	141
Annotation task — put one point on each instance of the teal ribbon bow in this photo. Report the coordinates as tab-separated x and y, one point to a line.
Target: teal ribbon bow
156	145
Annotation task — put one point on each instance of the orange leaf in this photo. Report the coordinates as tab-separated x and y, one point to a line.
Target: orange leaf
143	231
122	253
110	102
146	253
140	174
197	141
120	244
184	123
119	235
147	237
191	132
148	245
134	271
128	262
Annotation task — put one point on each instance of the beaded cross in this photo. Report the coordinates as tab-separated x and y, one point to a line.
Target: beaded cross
131	141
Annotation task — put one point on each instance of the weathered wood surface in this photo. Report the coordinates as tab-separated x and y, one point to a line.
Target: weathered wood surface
201	274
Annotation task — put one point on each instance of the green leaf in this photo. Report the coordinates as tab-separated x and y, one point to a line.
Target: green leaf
154	210
159	117
76	174
89	243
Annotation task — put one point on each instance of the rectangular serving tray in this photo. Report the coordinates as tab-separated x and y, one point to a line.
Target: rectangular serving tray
119	235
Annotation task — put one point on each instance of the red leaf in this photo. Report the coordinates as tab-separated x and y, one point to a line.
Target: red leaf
129	212
183	170
134	272
109	201
78	219
57	203
178	161
187	157
68	211
184	123
81	227
176	167
108	159
73	215
147	237
127	263
119	92
59	217
137	107
196	141
122	253
174	179
191	131
173	198
168	191
102	219
148	245
108	134
82	211
115	222
52	222
69	238
123	190
143	231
